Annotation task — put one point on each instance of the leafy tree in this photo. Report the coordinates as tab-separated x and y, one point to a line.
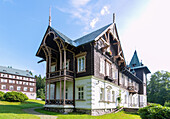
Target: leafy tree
158	88
40	86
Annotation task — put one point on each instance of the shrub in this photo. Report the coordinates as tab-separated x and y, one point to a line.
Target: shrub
154	111
2	95
167	104
15	97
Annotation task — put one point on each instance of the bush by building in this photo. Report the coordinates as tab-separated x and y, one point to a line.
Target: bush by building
154	111
167	104
15	97
2	95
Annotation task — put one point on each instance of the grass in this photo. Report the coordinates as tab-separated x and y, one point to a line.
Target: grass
119	115
13	110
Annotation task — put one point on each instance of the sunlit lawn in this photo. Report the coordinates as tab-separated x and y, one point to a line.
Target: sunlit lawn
13	110
119	115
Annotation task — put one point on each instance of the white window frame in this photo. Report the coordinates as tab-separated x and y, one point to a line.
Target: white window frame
81	93
31	89
3	86
4	80
101	94
80	67
25	88
108	95
113	96
10	87
18	87
107	69
102	66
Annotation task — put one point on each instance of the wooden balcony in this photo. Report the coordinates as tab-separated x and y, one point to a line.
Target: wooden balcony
132	89
59	102
60	73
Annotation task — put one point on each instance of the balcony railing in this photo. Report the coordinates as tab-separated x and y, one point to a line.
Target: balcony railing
132	89
59	102
60	73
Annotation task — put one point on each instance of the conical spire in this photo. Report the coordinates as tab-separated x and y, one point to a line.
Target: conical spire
134	61
50	16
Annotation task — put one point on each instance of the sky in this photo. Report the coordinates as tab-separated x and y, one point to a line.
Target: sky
143	25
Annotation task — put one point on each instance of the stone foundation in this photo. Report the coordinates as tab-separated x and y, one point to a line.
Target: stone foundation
60	110
94	112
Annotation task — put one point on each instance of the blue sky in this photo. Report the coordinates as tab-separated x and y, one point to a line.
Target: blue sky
142	25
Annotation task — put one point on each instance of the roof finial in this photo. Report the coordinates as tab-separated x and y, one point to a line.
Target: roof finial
113	17
50	16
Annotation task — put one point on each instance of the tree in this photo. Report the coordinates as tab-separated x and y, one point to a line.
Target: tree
40	86
158	88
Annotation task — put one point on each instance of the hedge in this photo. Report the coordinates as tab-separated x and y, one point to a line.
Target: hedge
15	97
2	95
154	111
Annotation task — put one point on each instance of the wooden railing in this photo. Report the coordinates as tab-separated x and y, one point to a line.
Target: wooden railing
60	73
59	102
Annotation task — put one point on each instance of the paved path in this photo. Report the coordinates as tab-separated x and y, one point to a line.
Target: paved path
42	116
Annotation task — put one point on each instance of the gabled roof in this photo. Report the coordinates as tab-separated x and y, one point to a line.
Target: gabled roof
10	70
83	40
63	37
91	36
134	61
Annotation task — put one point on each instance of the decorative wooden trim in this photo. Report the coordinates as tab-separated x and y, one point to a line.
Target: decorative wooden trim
81	54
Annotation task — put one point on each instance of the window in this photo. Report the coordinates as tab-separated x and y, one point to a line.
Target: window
4	80
31	79
66	93
25	83
20	82
10	76
17	77
3	75
26	78
67	65
53	68
108	94
31	89
102	94
11	87
125	99
25	88
113	96
81	64
3	86
16	82
11	81
20	77
18	87
107	69
81	93
102	66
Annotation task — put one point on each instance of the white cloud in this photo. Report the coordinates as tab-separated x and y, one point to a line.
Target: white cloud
105	10
79	3
93	22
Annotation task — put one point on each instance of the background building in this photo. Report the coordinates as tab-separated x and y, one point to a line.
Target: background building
17	80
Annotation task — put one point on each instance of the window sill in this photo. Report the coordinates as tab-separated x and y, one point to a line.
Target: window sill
80	100
81	71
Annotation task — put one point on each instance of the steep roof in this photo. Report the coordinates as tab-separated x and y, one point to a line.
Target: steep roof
10	70
134	61
83	40
91	36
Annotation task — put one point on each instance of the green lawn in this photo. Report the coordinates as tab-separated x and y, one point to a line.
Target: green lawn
13	110
119	115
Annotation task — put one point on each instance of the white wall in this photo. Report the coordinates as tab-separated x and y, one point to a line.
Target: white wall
84	82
